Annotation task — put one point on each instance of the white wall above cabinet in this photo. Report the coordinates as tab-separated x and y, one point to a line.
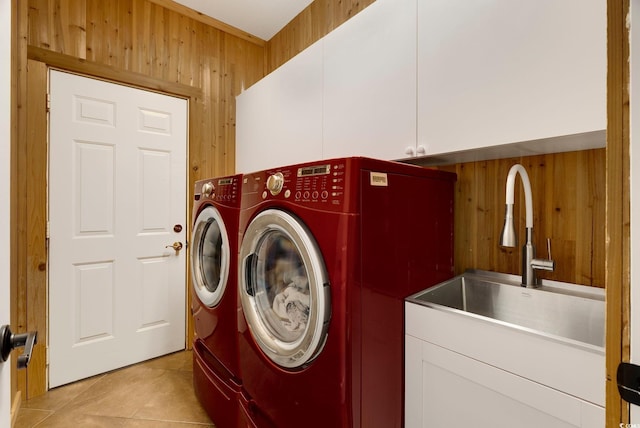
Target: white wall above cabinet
500	71
279	119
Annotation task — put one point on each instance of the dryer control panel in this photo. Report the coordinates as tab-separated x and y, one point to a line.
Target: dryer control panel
222	190
321	185
334	185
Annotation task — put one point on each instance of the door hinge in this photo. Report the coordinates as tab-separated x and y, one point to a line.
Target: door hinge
48	102
47	231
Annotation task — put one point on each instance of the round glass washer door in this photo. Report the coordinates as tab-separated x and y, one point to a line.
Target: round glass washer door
209	256
284	289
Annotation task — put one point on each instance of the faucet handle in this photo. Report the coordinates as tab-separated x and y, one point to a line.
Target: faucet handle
545	264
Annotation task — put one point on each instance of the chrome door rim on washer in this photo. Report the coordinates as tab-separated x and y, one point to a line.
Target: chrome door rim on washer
293	352
209	294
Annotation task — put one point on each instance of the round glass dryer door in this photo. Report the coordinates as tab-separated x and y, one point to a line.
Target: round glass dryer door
284	289
209	256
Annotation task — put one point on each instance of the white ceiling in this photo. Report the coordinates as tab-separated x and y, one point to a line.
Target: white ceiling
262	18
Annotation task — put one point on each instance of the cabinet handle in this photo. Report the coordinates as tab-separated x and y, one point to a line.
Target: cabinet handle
410	151
422	150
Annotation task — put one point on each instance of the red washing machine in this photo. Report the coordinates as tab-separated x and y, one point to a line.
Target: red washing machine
329	251
214	304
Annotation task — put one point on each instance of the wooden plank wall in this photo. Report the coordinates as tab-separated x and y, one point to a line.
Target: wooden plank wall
143	37
569	208
618	220
17	45
153	44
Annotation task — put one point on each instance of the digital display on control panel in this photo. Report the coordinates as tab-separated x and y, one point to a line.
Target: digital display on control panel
225	181
314	170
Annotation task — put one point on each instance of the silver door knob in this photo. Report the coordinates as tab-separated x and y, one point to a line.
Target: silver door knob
177	246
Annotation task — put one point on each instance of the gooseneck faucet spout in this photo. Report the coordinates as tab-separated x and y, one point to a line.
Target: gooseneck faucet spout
508	237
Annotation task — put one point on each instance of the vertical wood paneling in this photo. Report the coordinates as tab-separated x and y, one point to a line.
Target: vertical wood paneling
39	34
147	38
95	31
36	209
141	37
466	250
568	208
18	182
617	223
232	55
486	234
72	27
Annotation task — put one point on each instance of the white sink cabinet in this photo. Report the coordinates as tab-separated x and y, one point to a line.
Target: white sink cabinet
464	371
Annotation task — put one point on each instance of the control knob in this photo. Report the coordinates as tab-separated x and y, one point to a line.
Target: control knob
275	183
207	189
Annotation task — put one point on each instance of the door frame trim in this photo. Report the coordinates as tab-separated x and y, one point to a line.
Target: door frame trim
617	254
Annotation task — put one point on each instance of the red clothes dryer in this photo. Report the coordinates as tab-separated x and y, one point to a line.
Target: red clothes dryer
214	303
329	251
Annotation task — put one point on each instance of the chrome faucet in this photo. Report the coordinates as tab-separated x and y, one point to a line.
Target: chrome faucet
508	237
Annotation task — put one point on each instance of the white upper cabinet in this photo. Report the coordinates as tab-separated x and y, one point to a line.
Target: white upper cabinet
370	83
405	78
493	72
279	119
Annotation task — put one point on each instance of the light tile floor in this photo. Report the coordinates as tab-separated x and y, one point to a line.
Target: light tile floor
156	393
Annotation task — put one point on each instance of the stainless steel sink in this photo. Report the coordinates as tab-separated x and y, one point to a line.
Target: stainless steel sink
558	310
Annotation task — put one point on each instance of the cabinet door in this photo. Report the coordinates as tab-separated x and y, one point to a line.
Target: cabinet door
445	388
500	71
370	83
279	119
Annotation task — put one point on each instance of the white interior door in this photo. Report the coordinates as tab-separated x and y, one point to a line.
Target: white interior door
5	138
117	193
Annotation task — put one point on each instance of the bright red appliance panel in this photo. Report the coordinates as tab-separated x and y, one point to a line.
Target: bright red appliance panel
385	232
216	367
